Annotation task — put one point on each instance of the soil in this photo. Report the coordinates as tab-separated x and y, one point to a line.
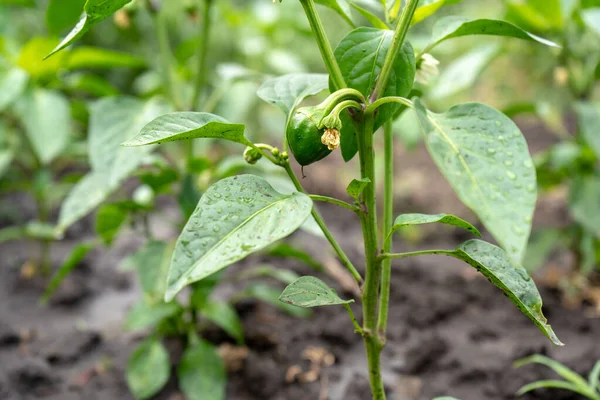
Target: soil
450	331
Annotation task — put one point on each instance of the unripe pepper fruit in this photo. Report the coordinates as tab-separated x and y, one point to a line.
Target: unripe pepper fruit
304	136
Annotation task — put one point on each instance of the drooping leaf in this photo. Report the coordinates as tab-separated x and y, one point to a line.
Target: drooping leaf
224	316
357	186
287	91
63	14
112	121
12	84
74	259
485	158
428	7
202	374
419	219
94	12
148	369
361	55
339	6
188	125
145	314
235	217
46	117
457	26
496	265
589	121
591	17
308	292
462	73
585	197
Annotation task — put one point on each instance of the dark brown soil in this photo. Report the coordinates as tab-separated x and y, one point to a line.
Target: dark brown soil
450	331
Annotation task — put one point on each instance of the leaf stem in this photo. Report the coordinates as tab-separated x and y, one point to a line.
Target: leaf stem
388	215
392	54
316	25
389	99
343	257
331	200
357	327
385	256
204	41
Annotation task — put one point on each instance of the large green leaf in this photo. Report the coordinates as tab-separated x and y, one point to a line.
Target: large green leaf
428	7
287	91
112	121
485	158
496	265
94	12
456	26
361	55
46	117
188	125
589	123
63	14
234	218
585	198
224	316
202	374
419	219
148	369
591	17
308	292
12	84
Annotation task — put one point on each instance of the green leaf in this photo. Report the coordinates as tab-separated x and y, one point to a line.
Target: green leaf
287	91
62	14
46	117
565	372
361	55
224	316
589	120
540	247
446	398
268	271
551	384
594	379
94	12
339	6
539	15
12	84
109	220
455	26
112	121
308	292
152	265
148	369
202	374
74	259
357	186
270	295
234	218
591	17
31	58
188	125
419	219
146	315
93	57
372	18
585	197
496	265
485	158
286	250
7	148
428	7
462	73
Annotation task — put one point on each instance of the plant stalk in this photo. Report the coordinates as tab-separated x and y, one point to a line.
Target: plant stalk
397	42
370	294
162	35
204	38
388	215
316	25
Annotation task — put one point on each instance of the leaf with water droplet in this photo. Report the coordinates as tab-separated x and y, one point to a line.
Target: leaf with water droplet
212	241
496	265
308	292
458	141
